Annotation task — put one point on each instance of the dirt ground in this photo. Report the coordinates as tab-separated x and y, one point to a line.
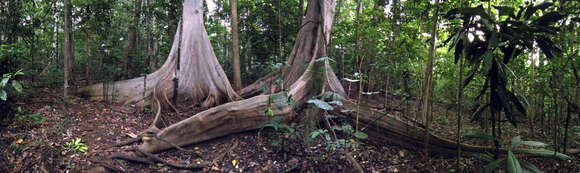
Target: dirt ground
34	140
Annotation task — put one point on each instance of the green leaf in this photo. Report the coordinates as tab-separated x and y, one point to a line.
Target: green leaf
3	95
534	144
361	135
19	72
513	166
492	165
549	19
314	134
320	104
17	86
530	167
487	157
4	81
488	57
546	153
516	141
269	112
505	11
336	102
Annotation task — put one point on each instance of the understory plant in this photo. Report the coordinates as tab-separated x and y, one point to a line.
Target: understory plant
512	163
76	145
324	102
9	78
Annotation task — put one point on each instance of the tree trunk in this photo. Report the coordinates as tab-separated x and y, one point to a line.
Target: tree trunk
301	53
171	9
87	56
300	14
68	49
129	51
202	81
249	114
429	79
236	46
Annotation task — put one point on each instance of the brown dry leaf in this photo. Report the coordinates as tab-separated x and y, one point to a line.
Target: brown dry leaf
19	141
99	138
215	168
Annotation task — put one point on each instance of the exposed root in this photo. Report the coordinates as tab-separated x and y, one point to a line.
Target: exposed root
177	146
196	165
128	142
149	158
106	165
354	163
168	102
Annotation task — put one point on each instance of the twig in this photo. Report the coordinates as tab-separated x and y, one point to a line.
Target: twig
221	155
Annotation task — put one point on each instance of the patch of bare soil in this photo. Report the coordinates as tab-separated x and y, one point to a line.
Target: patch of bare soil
35	141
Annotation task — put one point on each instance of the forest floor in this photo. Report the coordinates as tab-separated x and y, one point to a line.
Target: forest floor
34	140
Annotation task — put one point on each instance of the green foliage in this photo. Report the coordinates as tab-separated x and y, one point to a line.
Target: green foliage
513	164
320	104
503	37
9	78
76	145
29	120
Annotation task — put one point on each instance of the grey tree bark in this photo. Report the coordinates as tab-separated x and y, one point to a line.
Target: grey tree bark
68	48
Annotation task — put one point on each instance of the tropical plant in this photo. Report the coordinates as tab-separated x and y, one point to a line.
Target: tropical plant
513	164
9	78
76	145
492	41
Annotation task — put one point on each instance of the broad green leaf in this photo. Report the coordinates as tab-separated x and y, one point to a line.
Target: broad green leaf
19	72
17	86
530	167
320	104
516	141
492	165
4	82
487	157
336	102
487	60
534	144
269	112
513	166
505	10
361	135
3	95
546	153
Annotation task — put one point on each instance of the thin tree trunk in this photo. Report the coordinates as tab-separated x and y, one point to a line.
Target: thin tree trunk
301	13
460	104
87	56
68	43
396	14
429	79
532	108
359	9
280	48
129	51
235	46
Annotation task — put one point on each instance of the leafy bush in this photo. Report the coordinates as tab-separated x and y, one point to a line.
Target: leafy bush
9	78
